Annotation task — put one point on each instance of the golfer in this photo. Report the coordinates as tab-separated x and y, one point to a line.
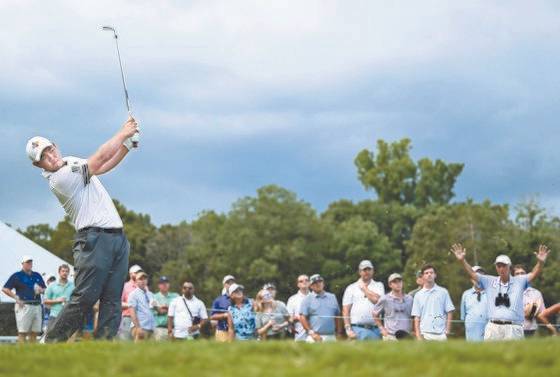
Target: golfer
100	246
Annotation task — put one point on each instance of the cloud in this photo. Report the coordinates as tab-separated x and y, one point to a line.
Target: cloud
235	95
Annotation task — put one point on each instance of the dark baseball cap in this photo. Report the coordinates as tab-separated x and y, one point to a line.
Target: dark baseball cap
164	279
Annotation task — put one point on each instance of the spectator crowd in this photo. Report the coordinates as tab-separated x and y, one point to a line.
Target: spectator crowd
500	307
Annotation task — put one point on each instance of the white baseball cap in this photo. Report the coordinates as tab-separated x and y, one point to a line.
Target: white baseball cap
26	258
503	259
478	269
365	264
234	287
35	147
134	269
227	278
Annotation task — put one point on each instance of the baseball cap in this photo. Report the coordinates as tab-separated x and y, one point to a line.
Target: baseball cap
315	278
26	258
35	147
394	276
234	287
478	269
365	264
141	274
503	259
164	279
227	278
269	286
134	269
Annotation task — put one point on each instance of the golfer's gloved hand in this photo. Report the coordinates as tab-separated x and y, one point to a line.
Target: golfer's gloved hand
129	143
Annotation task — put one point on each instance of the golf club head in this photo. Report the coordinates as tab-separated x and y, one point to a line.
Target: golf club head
108	28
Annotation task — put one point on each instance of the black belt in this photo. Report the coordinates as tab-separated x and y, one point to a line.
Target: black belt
100	230
501	322
368	327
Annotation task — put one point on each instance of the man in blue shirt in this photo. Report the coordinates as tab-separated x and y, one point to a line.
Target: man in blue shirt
432	308
319	313
28	286
504	292
140	303
474	311
220	310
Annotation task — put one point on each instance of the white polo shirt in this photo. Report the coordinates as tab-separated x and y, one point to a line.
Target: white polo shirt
361	312
294	303
82	196
181	318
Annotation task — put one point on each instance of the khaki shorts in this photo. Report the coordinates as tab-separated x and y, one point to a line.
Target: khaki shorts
160	334
430	336
222	336
29	318
495	331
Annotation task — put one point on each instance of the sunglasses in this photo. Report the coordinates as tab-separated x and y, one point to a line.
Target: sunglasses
188	287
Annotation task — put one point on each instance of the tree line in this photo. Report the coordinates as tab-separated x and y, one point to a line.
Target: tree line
275	236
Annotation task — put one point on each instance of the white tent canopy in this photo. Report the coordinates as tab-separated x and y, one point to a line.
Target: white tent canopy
13	246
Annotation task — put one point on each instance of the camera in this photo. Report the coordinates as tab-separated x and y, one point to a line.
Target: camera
502	299
196	320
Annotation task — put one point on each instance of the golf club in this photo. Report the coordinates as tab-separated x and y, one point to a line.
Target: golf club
134	138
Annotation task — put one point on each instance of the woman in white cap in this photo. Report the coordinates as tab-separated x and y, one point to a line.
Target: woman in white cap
241	315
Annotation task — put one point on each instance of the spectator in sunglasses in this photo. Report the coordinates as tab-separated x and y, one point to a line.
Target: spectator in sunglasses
396	307
474	312
186	315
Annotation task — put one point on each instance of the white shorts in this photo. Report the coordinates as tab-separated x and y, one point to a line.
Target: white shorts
28	318
326	338
494	331
430	336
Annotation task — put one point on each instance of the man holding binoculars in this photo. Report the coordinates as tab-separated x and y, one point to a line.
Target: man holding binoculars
504	292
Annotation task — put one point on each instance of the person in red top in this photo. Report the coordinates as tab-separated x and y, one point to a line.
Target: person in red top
125	330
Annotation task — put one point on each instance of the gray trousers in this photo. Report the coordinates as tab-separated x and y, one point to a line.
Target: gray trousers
100	267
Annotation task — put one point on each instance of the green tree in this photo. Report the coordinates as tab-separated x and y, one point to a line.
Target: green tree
395	177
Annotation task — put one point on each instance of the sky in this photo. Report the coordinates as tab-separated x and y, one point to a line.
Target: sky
235	95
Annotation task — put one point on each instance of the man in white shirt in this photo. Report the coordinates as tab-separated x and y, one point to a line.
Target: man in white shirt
358	304
293	306
186	315
100	246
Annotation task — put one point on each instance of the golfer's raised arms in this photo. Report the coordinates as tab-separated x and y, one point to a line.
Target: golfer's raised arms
111	153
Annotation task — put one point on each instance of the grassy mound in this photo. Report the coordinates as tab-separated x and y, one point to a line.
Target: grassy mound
199	359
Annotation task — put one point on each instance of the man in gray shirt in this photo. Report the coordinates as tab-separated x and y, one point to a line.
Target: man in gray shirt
319	313
396	307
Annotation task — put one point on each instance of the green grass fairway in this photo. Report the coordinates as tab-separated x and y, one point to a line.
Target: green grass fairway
539	357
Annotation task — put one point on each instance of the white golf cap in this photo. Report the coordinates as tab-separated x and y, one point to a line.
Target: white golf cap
35	147
365	264
227	278
394	276
134	269
234	287
503	259
26	258
478	268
